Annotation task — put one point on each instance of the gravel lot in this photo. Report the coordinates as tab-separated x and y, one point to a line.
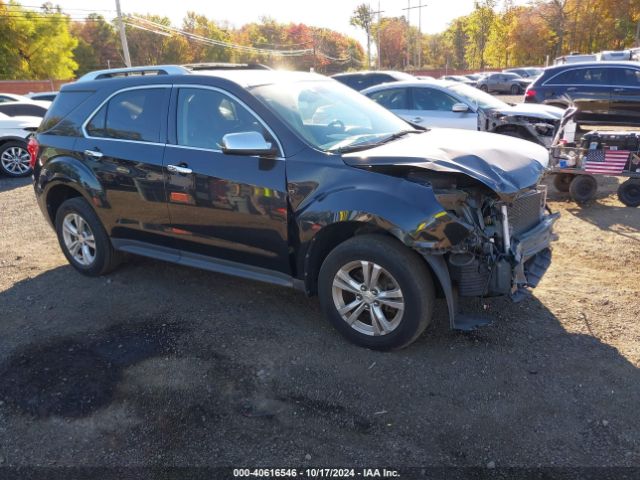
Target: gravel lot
164	365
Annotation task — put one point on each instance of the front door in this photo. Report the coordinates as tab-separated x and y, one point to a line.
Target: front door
435	108
226	207
625	97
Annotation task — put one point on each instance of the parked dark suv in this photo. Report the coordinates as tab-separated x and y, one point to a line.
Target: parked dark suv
603	92
294	179
361	80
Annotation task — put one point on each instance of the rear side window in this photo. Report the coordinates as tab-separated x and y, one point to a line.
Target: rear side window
131	115
64	103
392	98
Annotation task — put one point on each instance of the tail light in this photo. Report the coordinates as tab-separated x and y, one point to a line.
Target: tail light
33	147
529	93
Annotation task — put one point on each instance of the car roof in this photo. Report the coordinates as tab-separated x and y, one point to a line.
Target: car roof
153	70
566	66
243	78
371	72
441	84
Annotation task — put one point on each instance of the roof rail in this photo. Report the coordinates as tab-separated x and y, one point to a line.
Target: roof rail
134	71
225	66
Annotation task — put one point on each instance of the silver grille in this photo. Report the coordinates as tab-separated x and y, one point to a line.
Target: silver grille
526	212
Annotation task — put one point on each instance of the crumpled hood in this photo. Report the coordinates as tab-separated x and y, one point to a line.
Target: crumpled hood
546	112
504	164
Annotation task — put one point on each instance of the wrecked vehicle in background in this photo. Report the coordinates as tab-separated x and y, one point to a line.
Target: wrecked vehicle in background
447	104
339	197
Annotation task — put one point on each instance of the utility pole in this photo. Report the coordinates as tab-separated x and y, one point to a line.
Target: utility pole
378	35
420	6
123	36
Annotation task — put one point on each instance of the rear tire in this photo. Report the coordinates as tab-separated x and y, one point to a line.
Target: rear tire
583	188
515	90
15	159
629	192
484	88
84	240
384	289
562	181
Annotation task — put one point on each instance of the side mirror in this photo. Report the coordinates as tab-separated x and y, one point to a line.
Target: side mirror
247	143
460	108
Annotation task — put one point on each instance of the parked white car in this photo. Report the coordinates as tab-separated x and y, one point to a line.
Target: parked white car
14	156
446	104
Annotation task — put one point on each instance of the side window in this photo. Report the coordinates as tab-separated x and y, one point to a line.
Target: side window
432	99
591	76
582	76
628	77
130	115
205	116
23	110
391	98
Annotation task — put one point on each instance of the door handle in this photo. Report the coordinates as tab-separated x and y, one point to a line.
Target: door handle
618	90
179	169
93	154
417	120
571	89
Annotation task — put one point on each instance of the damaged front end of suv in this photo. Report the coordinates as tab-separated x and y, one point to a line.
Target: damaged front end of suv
538	124
493	233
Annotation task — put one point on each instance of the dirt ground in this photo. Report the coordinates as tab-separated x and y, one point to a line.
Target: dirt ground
159	365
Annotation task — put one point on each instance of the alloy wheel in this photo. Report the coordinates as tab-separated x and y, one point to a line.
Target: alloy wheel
15	160
79	239
368	298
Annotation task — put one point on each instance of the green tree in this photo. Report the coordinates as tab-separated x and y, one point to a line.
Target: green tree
36	44
97	44
478	28
363	17
200	25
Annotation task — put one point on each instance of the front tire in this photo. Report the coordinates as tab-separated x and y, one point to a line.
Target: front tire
376	292
515	90
84	240
15	159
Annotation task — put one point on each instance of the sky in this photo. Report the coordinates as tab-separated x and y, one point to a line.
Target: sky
332	14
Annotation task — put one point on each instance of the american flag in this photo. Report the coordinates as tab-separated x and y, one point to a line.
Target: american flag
606	161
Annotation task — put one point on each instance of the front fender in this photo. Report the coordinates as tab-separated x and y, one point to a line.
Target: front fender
407	210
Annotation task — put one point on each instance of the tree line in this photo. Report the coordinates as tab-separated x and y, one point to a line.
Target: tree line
47	43
499	34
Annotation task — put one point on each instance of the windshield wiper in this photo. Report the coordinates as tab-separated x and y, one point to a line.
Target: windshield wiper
367	145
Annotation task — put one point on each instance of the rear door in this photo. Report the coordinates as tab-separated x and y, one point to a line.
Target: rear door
123	143
625	97
229	207
434	108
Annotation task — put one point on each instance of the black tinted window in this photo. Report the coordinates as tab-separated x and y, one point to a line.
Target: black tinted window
392	98
131	115
205	116
628	76
582	76
23	110
432	99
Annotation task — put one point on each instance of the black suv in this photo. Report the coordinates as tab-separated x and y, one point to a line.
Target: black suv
294	179
361	80
604	92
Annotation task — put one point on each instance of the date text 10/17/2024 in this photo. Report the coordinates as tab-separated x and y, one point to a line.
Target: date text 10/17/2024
315	473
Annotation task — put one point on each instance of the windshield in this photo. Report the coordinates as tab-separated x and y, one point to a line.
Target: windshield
329	115
477	97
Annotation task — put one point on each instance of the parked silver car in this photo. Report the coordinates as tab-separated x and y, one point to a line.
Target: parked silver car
504	83
439	103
